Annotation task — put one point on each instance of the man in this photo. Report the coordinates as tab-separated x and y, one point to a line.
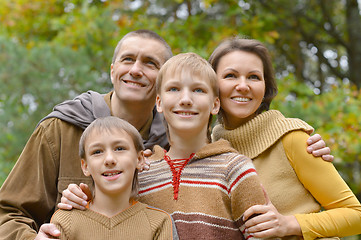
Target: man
50	161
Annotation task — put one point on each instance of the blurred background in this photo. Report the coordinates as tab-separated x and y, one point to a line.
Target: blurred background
52	50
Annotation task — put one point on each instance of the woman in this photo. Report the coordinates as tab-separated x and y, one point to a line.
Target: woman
297	183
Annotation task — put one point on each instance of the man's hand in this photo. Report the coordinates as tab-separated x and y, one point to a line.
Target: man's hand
318	148
75	197
48	231
146	165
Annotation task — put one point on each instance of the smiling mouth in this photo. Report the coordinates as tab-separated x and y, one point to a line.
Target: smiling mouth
241	99
185	113
132	83
110	174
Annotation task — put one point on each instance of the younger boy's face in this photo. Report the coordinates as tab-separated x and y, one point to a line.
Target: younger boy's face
111	160
187	101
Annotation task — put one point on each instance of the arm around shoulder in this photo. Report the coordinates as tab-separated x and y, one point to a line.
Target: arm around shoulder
342	209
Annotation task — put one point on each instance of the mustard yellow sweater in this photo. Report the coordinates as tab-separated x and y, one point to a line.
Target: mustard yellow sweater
296	182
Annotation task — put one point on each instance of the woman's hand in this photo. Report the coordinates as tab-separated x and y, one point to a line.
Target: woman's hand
318	148
48	231
268	222
75	197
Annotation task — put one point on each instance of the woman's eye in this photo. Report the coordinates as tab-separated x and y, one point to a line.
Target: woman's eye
253	76
199	90
229	75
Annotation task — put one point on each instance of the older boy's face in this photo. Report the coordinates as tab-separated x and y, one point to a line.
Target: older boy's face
135	69
111	160
187	101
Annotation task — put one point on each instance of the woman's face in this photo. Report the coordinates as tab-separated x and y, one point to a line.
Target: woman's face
242	86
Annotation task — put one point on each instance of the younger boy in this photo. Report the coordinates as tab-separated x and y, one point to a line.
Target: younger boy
111	151
205	186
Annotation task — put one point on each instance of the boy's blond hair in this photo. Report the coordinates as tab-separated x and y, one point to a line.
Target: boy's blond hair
189	63
110	124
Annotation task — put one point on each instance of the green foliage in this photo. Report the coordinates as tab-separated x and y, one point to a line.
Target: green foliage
33	81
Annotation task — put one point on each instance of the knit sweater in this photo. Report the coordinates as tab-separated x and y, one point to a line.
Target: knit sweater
136	222
215	187
296	182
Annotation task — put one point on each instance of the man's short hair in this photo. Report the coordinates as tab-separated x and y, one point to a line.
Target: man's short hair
146	34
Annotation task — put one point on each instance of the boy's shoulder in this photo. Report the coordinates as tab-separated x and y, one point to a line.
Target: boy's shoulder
156	215
62	215
153	211
218	147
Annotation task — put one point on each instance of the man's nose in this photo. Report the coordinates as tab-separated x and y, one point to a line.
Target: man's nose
136	70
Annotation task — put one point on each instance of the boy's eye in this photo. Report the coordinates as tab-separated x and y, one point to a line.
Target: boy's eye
95	152
173	89
119	149
199	90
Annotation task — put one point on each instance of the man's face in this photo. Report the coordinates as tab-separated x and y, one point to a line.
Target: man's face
135	69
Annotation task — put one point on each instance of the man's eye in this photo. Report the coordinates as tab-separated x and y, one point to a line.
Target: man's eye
127	59
151	63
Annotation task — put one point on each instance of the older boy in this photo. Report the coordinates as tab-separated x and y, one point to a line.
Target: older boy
205	186
111	151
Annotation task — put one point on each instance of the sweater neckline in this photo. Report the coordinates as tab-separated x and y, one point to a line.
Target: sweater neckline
176	166
258	134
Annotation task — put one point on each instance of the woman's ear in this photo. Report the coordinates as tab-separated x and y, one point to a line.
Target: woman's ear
140	160
216	106
158	101
84	167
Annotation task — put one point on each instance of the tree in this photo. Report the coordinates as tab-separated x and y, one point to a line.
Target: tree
320	39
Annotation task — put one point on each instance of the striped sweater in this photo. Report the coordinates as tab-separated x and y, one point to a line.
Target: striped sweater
215	187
